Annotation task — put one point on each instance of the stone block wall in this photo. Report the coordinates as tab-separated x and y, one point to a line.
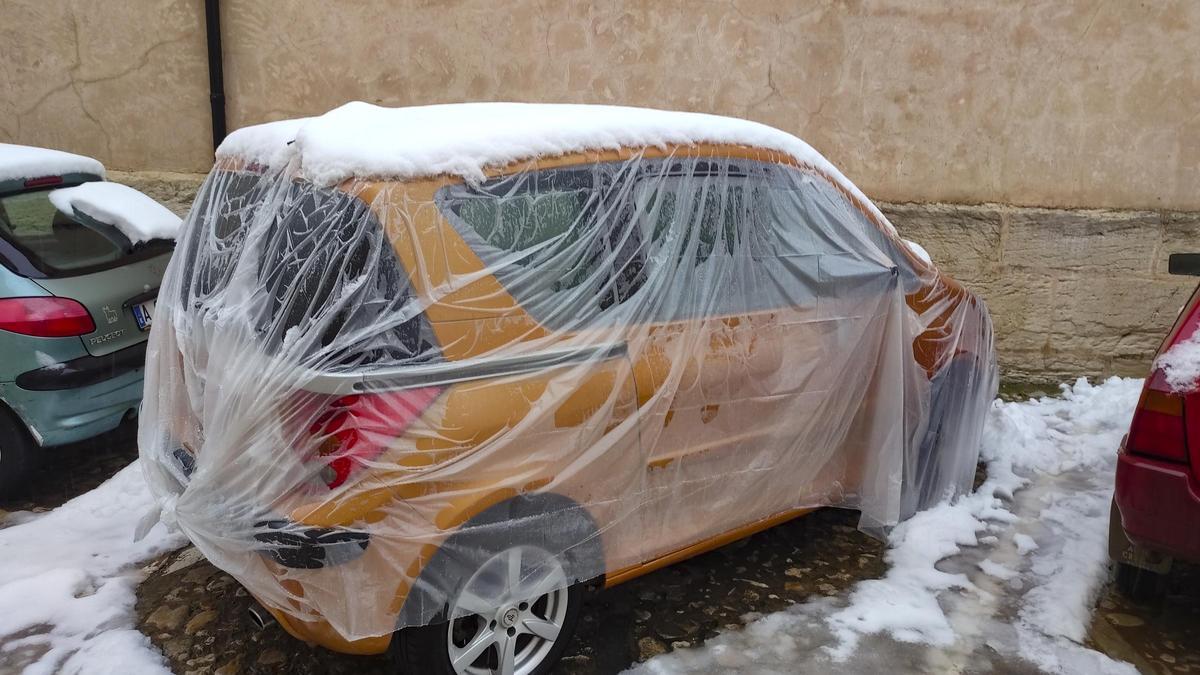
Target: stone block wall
1072	292
176	191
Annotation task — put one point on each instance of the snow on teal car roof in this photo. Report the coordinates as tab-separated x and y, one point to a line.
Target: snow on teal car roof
361	140
23	162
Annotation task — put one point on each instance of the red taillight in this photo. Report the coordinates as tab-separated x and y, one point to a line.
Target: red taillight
1158	428
44	181
354	430
45	317
1160	423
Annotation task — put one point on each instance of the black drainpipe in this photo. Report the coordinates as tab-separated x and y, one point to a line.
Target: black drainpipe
216	78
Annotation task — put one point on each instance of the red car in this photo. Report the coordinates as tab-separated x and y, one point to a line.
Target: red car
1156	505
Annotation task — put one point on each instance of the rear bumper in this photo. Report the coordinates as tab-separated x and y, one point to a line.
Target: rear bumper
320	632
85	370
1159	505
80	398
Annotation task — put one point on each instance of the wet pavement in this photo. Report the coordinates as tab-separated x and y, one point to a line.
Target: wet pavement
197	614
67	471
1160	638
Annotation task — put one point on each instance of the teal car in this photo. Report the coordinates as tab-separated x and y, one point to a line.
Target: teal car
76	305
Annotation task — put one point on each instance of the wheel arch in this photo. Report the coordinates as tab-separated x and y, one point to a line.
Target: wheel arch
486	524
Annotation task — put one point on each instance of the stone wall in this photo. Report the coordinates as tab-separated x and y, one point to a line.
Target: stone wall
1072	292
176	191
1057	103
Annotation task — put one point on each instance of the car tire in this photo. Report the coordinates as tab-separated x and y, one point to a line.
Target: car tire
536	629
1140	585
17	451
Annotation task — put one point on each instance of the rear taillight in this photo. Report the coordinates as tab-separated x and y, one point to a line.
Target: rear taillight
351	431
45	317
1158	428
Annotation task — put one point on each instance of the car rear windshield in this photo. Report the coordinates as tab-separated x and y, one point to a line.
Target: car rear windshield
57	245
322	273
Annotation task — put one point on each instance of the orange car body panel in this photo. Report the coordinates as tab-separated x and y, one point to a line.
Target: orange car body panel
472	315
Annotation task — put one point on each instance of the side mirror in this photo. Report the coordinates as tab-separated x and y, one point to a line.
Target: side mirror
1187	264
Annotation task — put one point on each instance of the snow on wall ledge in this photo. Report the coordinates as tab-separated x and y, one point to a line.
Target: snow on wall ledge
464	139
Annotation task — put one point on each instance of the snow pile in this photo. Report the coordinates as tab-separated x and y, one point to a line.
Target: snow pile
135	214
1010	571
22	162
67	581
464	139
1181	365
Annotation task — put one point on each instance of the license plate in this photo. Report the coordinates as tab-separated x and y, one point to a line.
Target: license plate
143	313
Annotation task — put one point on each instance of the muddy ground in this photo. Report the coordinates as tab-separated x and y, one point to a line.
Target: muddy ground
1160	638
197	614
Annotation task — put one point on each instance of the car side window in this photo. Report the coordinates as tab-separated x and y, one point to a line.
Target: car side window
560	240
710	236
683	205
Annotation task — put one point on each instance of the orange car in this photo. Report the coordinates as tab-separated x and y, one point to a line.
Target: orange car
420	376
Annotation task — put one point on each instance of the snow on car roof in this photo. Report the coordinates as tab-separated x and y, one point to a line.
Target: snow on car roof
136	215
360	139
24	161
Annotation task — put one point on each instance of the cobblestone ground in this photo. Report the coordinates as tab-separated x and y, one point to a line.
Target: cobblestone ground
198	615
1162	638
65	472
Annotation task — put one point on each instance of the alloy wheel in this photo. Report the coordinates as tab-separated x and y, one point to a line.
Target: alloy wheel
509	615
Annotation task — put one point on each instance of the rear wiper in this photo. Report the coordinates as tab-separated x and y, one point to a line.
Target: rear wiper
106	230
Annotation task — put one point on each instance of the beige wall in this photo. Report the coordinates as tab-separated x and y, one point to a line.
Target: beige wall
1076	103
1055	104
123	81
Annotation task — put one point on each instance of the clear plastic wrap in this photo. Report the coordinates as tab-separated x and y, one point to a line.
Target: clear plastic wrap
384	403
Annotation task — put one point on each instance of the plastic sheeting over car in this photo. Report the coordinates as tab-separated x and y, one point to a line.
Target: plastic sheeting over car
384	403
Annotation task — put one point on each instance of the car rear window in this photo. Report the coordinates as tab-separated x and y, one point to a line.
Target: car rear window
58	245
322	271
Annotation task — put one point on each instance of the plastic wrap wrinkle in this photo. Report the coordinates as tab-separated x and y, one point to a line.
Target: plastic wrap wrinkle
360	398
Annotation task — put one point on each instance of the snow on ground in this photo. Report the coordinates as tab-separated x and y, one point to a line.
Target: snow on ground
1004	575
135	214
67	580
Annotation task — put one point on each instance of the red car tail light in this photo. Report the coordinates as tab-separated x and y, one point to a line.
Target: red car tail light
356	429
45	317
44	181
1158	430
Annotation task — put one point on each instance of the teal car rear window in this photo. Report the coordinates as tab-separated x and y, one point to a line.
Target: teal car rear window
58	245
